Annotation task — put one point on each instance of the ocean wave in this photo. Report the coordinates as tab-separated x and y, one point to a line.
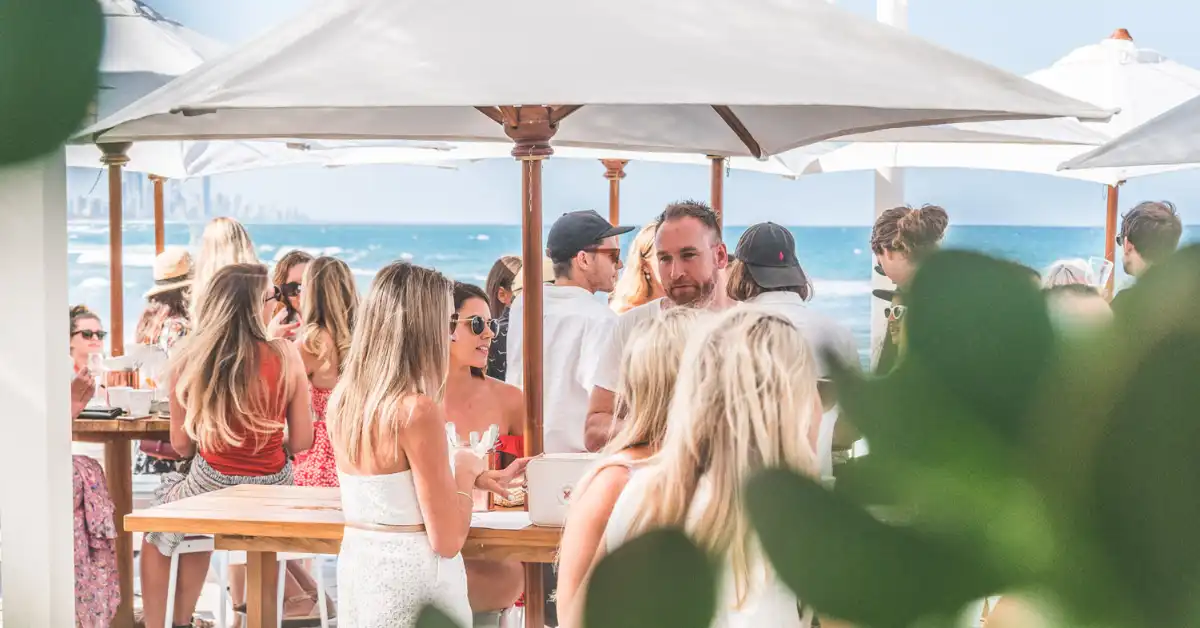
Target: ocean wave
364	272
93	283
315	251
137	256
841	288
482	237
406	256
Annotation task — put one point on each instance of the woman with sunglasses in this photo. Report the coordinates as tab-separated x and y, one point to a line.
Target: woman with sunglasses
87	336
289	278
473	402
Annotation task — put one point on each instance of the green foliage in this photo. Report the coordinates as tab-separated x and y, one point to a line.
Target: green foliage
1062	468
49	55
432	617
657	580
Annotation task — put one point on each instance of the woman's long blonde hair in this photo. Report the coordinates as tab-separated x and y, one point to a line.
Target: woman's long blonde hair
401	347
225	241
744	401
637	282
649	368
220	382
329	303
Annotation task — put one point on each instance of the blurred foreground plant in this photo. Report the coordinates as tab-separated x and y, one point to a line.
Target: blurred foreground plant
1002	460
49	55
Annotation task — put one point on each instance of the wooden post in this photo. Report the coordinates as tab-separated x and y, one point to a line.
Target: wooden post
718	189
160	230
1110	237
614	171
115	156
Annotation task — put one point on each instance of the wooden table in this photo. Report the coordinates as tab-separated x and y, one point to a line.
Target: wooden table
266	520
117	434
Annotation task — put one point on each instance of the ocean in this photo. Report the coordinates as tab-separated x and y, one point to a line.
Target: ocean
837	258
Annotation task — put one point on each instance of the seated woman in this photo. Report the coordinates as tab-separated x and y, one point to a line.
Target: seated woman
649	367
87	336
474	402
233	393
745	400
406	496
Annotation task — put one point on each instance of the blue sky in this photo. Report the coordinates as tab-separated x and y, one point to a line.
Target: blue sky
1018	35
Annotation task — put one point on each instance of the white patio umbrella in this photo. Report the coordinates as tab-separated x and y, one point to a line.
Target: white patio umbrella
1171	139
1138	82
708	77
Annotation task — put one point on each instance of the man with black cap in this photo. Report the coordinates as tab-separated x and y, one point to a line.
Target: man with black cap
765	272
586	254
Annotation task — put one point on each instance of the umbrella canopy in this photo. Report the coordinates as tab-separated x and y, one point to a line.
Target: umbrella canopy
1115	73
708	77
1171	139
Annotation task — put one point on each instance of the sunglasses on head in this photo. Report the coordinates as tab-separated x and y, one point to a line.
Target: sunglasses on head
291	289
88	334
895	312
477	324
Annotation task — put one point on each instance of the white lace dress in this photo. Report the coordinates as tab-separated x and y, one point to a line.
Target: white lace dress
384	578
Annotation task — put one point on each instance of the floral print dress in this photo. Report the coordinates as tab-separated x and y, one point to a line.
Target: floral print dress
97	584
171	330
316	467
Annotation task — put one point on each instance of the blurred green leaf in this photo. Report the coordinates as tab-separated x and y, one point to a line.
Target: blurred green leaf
49	55
432	617
659	579
848	564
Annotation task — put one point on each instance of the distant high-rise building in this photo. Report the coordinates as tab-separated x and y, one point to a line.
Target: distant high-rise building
207	198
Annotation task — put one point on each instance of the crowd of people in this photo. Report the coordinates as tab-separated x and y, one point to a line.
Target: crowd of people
703	366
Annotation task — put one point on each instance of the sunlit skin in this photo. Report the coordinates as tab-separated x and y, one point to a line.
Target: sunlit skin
689	258
472	404
897	266
596	271
80	346
1131	260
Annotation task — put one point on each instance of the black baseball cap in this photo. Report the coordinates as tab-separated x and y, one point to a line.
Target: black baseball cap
884	294
577	231
769	253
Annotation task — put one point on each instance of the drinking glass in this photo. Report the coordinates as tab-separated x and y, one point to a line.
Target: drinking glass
95	366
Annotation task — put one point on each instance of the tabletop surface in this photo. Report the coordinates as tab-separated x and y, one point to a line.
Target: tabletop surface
298	512
154	425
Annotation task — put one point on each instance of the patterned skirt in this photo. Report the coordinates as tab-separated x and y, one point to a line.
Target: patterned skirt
200	478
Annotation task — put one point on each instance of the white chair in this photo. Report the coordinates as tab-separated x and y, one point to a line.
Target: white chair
194	545
239	558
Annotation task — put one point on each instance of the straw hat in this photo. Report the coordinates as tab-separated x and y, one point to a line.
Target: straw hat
547	276
172	271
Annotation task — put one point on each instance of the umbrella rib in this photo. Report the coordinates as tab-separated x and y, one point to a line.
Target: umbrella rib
739	129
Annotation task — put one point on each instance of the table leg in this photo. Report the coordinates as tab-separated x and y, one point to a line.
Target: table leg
535	596
262	583
118	468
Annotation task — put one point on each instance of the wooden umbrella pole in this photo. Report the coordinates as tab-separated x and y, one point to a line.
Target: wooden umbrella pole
160	235
718	188
115	156
614	171
1110	236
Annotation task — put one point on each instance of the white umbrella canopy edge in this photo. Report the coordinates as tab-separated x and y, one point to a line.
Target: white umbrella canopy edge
307	78
1171	139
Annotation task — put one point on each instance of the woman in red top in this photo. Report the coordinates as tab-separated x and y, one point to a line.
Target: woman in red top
233	391
327	307
473	402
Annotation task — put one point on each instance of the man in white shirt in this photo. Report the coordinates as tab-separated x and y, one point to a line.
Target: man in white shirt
766	273
586	254
690	257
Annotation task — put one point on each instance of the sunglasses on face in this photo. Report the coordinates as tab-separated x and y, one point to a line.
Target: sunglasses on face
291	289
276	295
613	254
1121	240
88	334
895	312
477	324
879	269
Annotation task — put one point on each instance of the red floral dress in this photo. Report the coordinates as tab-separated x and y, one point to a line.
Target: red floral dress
316	467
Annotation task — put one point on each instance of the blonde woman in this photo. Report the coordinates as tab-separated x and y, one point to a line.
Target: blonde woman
406	496
225	241
233	393
649	367
328	307
639	282
746	399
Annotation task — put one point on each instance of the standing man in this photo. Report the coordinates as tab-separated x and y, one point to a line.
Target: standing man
586	254
691	259
1149	234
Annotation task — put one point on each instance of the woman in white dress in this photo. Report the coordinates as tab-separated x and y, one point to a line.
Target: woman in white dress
405	495
744	401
